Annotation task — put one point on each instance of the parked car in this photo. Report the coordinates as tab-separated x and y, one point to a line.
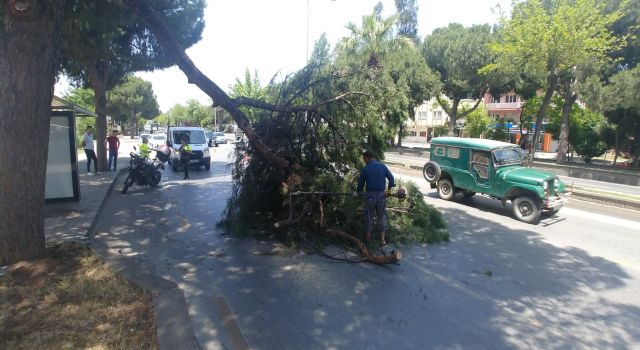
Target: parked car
197	139
209	137
495	169
218	138
145	136
157	140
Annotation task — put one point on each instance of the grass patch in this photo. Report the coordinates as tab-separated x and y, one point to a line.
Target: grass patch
72	300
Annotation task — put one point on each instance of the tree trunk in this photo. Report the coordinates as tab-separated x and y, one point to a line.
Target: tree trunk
400	132
98	77
453	116
563	145
165	36
552	79
29	59
616	145
636	153
134	123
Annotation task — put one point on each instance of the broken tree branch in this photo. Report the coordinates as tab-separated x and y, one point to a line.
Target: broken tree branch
165	36
251	102
392	258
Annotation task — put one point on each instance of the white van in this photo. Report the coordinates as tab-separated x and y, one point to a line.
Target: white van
196	138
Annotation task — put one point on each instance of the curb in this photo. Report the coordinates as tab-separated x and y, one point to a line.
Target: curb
576	193
604	199
173	325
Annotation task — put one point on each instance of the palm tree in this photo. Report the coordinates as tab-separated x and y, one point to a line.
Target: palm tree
374	38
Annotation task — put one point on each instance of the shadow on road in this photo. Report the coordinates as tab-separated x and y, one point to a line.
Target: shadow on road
491	287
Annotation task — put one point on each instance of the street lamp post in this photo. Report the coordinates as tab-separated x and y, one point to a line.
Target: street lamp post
308	15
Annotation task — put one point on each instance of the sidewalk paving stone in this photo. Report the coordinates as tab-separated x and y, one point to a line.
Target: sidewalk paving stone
73	221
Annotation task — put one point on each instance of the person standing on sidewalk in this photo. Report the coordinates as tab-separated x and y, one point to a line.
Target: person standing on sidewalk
113	144
185	157
87	144
374	175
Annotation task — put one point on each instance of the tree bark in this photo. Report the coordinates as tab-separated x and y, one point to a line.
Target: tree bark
165	36
552	80
29	59
563	145
453	114
616	145
98	75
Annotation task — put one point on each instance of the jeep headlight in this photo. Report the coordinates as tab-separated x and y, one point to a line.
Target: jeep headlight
205	151
545	185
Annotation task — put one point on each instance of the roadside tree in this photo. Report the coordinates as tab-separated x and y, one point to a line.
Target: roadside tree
550	40
457	54
104	41
26	88
134	98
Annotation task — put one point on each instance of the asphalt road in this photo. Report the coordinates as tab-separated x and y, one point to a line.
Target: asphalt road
570	282
578	182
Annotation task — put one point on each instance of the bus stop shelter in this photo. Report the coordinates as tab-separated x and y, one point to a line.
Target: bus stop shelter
62	182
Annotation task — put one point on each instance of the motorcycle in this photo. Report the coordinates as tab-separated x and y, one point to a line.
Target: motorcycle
143	171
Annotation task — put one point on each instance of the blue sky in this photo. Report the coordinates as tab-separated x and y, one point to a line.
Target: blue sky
270	36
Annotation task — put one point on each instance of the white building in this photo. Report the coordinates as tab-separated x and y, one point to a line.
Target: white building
428	116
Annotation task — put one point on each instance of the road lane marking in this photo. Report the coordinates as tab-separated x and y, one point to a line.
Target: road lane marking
633	225
238	342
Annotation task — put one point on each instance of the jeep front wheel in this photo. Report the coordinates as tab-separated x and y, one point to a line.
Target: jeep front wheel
526	210
446	190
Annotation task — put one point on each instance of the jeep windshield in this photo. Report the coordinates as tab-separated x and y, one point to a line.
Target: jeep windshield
507	156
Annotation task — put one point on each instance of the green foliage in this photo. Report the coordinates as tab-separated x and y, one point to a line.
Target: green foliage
358	107
545	40
373	39
250	87
133	99
109	33
407	23
193	113
83	98
457	54
547	37
477	122
500	132
588	143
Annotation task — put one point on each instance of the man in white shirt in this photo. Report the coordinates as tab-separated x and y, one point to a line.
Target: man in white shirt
87	144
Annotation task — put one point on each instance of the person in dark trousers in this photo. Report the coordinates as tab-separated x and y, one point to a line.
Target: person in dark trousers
113	144
185	156
374	176
87	144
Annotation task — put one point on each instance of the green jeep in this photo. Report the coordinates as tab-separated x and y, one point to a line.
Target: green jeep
493	168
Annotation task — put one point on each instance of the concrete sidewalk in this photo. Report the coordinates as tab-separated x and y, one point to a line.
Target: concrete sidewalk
74	221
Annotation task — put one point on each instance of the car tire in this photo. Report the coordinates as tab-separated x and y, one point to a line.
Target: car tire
552	212
446	190
431	172
526	209
468	194
207	167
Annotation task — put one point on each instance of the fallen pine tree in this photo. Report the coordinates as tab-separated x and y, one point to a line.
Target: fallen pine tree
307	133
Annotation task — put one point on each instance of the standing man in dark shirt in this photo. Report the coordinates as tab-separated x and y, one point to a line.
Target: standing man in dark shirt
374	175
113	144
